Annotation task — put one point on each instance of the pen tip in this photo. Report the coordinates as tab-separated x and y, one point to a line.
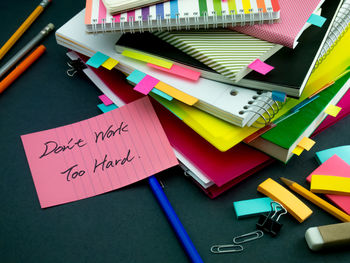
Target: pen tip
286	181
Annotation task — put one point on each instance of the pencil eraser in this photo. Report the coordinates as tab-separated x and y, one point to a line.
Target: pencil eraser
328	236
252	207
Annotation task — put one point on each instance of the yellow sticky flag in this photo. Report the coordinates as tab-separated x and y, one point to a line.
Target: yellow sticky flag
298	150
110	63
175	93
332	110
146	58
306	143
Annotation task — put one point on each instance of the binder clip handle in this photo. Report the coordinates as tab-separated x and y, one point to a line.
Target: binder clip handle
269	223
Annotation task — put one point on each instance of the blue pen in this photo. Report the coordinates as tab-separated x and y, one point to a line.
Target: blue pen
174	220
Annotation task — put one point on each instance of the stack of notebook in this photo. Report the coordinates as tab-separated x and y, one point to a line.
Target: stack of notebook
225	77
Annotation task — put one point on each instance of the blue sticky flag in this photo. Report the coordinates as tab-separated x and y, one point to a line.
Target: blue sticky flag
279	96
162	94
108	108
252	207
342	151
136	76
316	20
97	60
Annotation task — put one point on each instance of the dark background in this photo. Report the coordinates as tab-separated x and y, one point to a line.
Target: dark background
126	225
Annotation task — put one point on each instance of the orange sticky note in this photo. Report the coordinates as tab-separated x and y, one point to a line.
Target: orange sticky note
98	155
306	143
332	110
281	195
328	184
298	150
175	93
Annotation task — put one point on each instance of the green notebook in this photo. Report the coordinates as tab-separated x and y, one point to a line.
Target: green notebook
280	141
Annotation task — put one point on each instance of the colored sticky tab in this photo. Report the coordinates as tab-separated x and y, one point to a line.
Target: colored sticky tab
104	108
146	85
261	67
99	154
110	63
178	71
306	143
342	151
162	94
332	110
281	195
97	60
136	76
252	207
316	20
328	184
298	150
106	101
279	96
146	58
177	94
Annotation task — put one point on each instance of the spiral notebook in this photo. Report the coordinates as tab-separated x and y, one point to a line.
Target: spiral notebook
184	14
234	104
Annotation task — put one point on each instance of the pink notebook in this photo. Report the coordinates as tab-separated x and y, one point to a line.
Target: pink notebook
337	167
294	14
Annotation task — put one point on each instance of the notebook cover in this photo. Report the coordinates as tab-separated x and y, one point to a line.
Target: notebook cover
337	167
297	61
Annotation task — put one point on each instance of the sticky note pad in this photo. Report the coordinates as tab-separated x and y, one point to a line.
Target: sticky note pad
110	63
332	110
316	20
146	58
98	155
136	76
298	150
342	151
178	71
328	184
162	94
105	108
279	96
337	167
97	60
252	207
106	101
281	195
175	93
306	143
261	67
146	85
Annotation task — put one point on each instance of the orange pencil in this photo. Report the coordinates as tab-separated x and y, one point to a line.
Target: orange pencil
26	24
21	67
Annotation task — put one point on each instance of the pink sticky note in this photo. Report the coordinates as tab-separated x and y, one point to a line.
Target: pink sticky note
178	71
106	101
97	155
146	84
261	67
335	166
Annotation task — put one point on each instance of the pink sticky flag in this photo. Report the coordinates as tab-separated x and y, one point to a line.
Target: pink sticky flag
106	101
146	84
261	67
98	155
178	71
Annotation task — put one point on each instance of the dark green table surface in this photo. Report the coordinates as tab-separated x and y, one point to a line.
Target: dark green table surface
126	225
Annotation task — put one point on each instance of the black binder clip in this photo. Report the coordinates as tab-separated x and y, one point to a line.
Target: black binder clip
75	66
269	223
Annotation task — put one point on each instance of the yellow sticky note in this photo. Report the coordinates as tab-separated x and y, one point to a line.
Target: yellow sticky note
278	193
146	58
329	184
175	93
298	150
306	143
110	63
332	110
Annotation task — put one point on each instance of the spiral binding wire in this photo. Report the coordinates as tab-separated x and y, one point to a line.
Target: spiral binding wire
206	21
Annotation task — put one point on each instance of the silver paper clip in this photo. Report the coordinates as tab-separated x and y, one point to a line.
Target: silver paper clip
248	237
230	248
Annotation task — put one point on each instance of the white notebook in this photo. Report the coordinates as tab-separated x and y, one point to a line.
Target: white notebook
234	104
117	6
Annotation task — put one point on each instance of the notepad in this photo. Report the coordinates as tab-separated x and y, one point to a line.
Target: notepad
328	184
342	151
252	207
281	195
98	155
